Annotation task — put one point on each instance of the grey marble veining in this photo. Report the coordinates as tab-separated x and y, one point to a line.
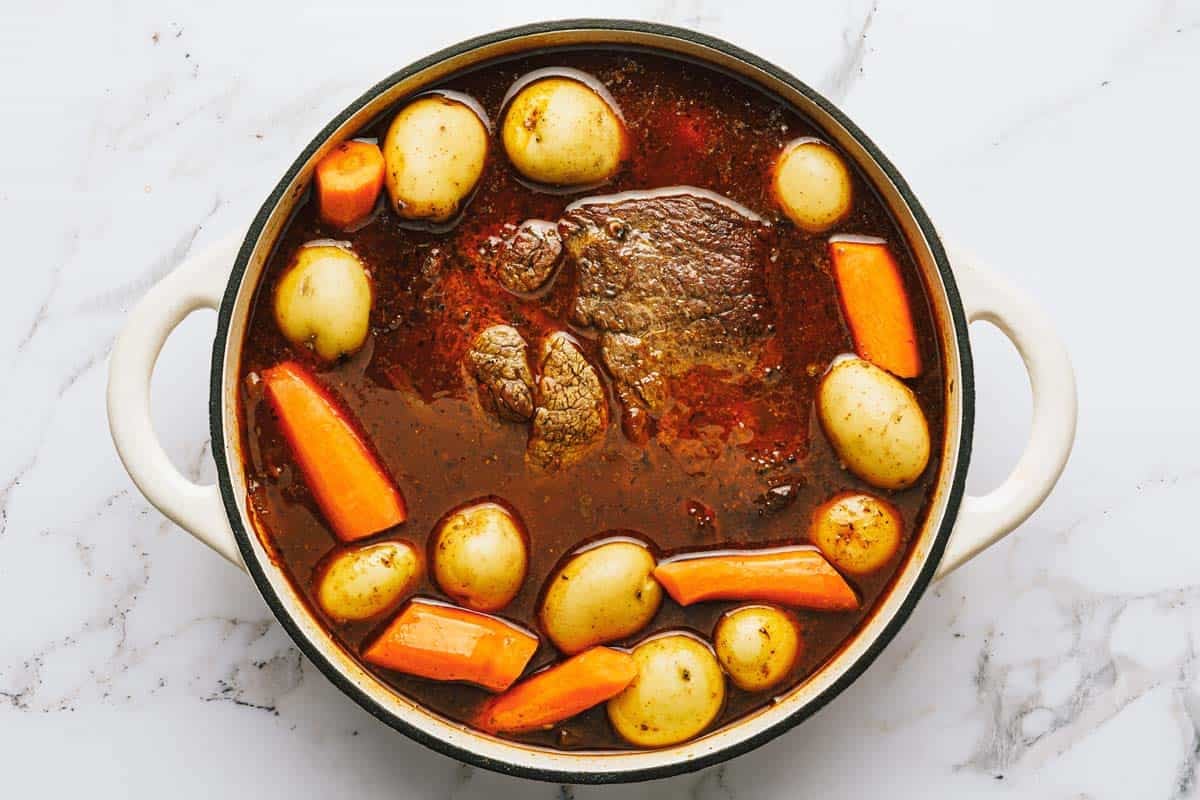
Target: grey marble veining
1056	140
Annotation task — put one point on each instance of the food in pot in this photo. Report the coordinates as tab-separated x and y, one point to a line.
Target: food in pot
364	581
434	153
563	129
875	423
324	300
812	184
679	690
560	692
858	532
758	646
793	576
444	643
479	555
602	594
509	324
348	181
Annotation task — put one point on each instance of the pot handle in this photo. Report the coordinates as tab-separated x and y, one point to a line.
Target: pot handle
197	283
984	520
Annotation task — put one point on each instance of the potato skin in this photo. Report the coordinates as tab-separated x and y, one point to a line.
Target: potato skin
324	298
757	645
362	582
559	131
858	532
479	555
434	153
600	595
678	692
812	184
874	423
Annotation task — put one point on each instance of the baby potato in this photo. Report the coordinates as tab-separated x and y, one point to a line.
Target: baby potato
600	595
678	692
857	532
874	423
324	298
560	131
434	153
812	184
362	582
757	646
479	556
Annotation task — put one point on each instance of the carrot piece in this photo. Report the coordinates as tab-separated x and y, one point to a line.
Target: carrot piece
351	487
558	693
876	305
792	577
349	179
446	643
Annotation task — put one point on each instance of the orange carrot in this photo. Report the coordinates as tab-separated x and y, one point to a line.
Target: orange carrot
791	577
876	305
351	487
559	693
446	643
349	179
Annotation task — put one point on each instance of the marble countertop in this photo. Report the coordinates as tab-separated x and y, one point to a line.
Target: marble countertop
1057	140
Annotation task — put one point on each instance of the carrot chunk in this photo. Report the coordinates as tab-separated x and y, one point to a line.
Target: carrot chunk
798	577
875	305
351	487
446	643
349	179
559	693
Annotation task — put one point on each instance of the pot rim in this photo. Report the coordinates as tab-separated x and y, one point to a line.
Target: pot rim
954	492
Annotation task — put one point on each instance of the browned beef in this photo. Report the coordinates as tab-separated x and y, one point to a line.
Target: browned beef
499	363
572	411
671	281
526	260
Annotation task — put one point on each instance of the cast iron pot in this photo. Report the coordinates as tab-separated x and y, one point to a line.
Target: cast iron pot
956	528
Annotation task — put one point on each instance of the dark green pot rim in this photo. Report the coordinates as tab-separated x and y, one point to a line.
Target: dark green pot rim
233	503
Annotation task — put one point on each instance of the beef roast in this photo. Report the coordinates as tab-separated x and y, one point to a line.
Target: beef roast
671	279
572	411
498	361
526	259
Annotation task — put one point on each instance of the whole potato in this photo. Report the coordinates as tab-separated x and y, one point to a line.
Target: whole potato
479	556
600	595
857	532
812	183
324	298
363	582
560	131
757	645
679	690
433	154
874	423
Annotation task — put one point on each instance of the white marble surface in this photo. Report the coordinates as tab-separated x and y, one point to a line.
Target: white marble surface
1055	139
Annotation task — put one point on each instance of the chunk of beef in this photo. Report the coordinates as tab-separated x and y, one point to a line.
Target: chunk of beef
498	361
526	260
572	410
672	280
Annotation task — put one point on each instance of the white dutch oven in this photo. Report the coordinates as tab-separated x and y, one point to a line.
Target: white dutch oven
957	527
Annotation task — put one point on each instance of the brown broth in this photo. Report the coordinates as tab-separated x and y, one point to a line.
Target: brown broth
696	485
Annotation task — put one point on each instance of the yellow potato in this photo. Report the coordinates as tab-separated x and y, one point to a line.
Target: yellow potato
678	692
433	155
757	646
479	556
600	595
857	532
560	131
363	582
812	184
324	298
874	423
